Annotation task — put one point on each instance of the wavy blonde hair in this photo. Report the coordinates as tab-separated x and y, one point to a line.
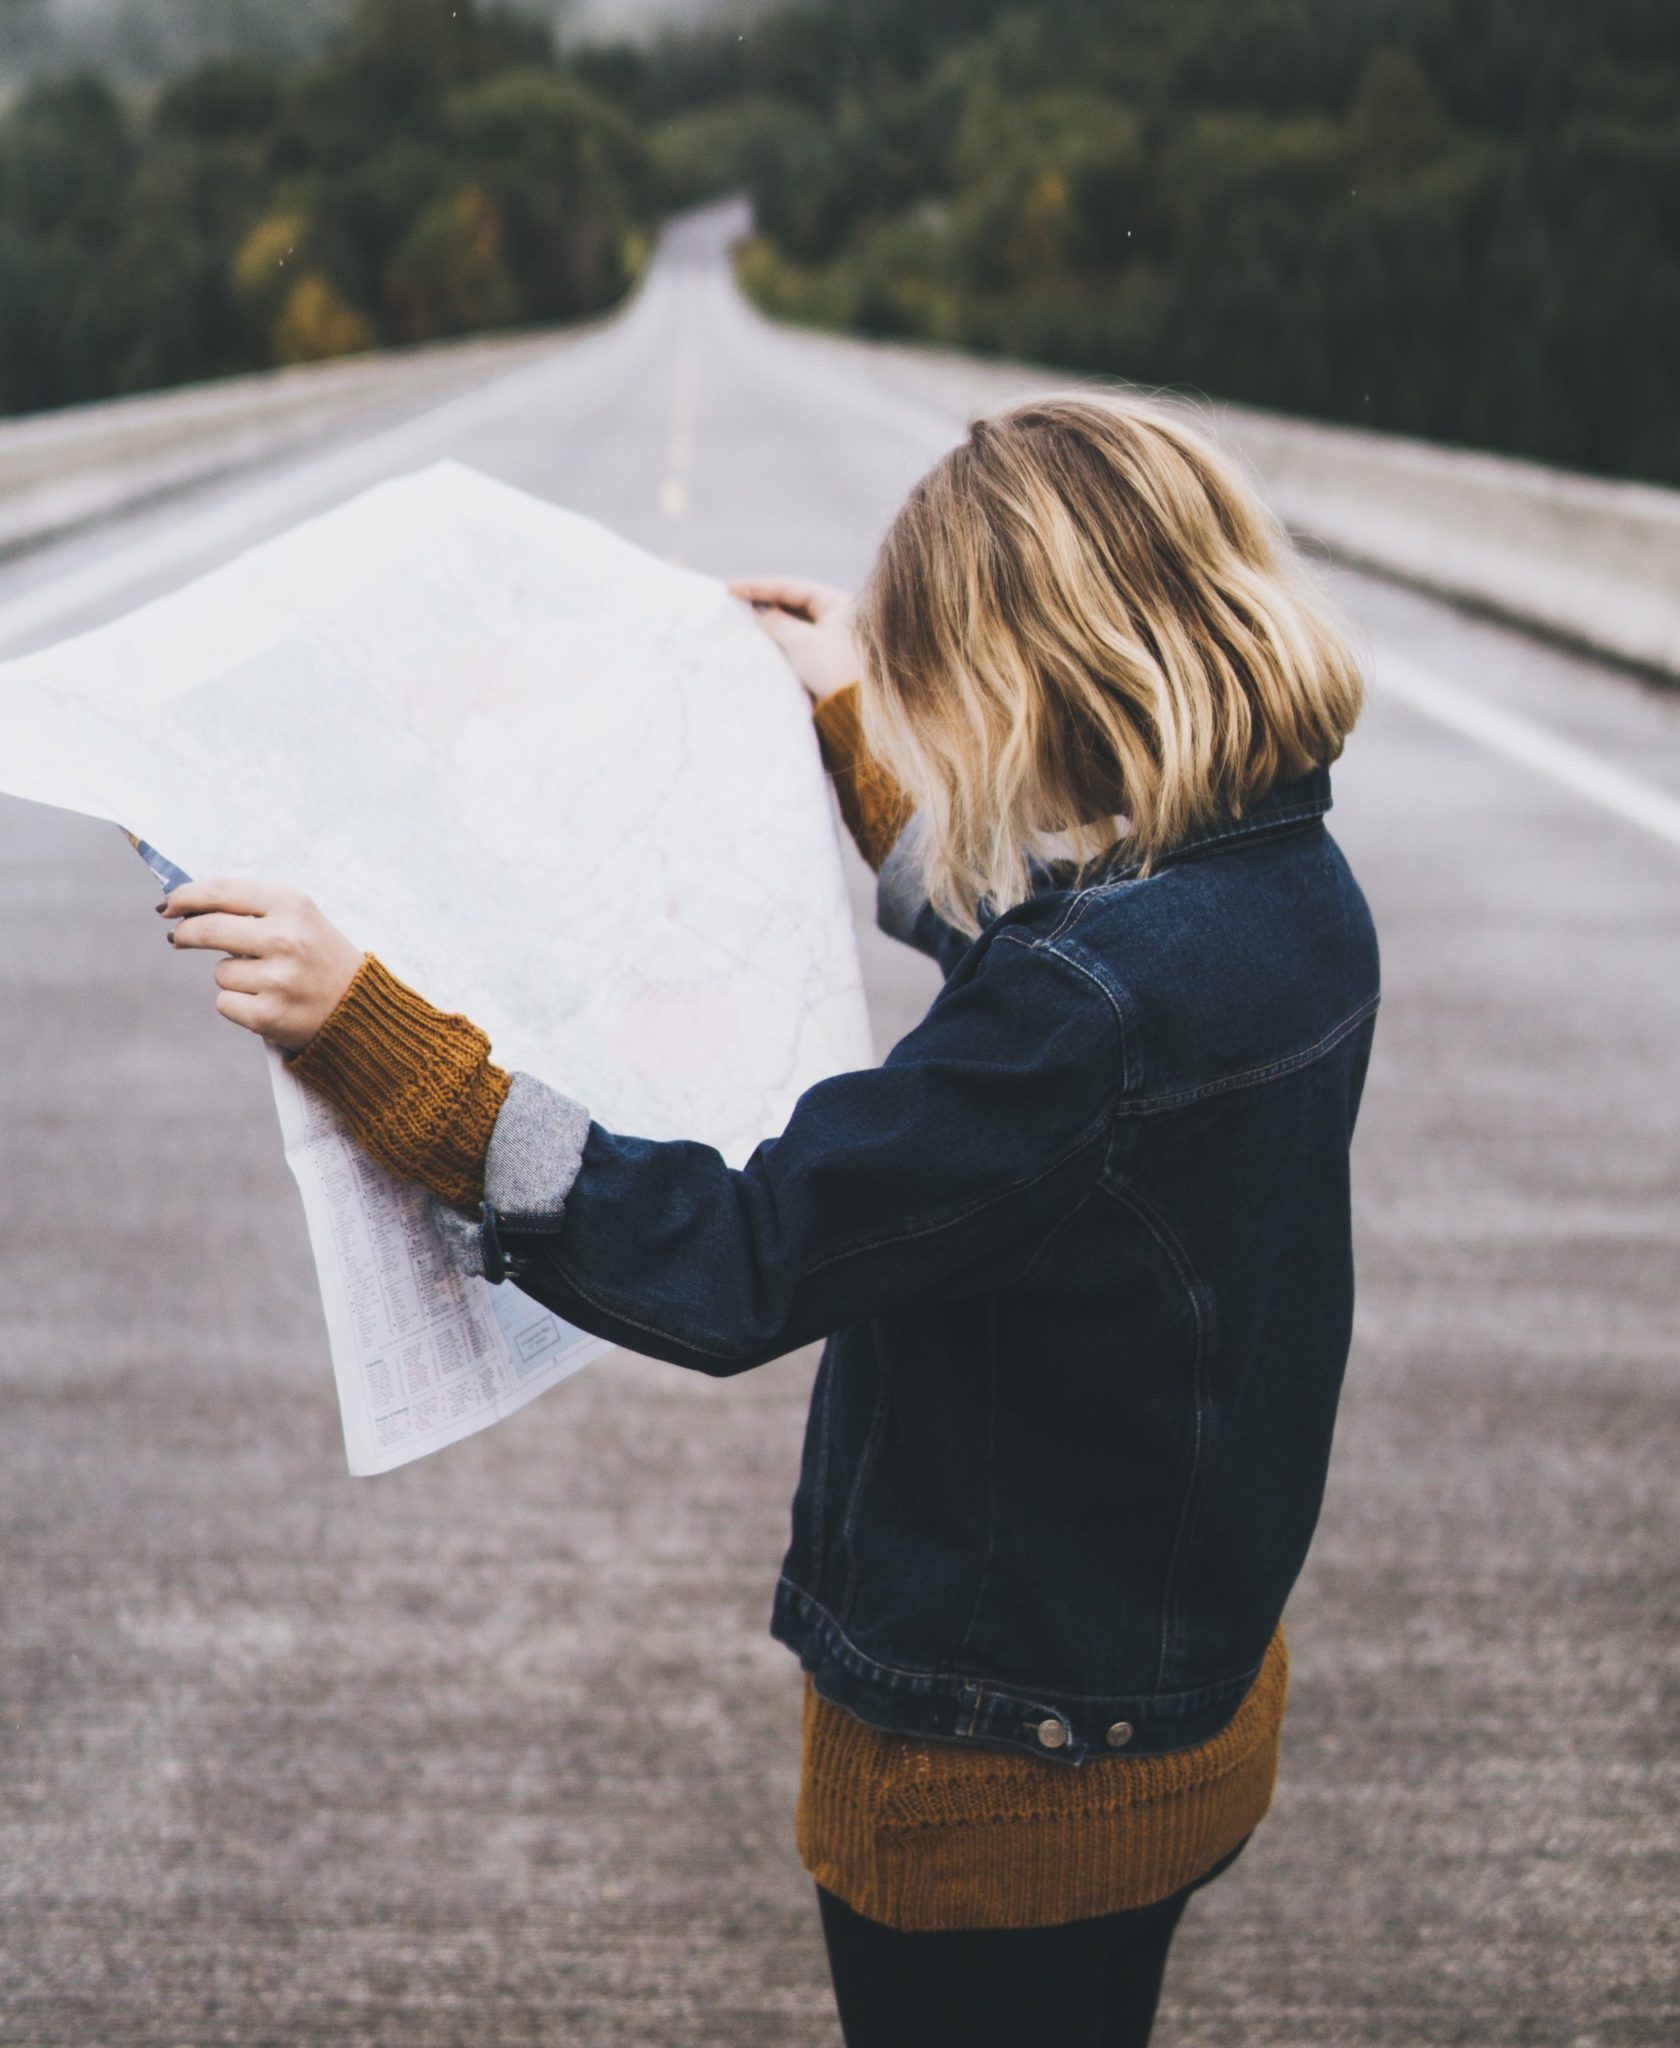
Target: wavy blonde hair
1084	635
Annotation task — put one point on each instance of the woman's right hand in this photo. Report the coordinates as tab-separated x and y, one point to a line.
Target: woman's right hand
811	623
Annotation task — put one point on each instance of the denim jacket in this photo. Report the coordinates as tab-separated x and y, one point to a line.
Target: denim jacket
1080	1248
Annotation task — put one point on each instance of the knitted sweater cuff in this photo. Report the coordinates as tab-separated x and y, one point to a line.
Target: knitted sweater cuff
873	805
414	1084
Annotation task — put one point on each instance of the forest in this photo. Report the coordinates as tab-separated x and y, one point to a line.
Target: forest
1452	218
435	171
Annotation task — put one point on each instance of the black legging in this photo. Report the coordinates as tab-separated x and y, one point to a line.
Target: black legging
1089	1984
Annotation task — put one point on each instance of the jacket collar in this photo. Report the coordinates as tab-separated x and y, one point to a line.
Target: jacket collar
1295	802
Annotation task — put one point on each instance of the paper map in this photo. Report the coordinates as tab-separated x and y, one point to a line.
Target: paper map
554	783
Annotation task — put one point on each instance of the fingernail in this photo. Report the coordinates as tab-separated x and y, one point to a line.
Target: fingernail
170	935
161	906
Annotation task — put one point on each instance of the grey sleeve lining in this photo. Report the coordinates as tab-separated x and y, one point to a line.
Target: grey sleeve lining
535	1155
536	1151
899	896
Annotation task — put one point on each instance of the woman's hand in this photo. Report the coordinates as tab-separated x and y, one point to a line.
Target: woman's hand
287	966
811	623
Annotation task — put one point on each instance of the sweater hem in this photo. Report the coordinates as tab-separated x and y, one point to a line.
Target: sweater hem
930	1836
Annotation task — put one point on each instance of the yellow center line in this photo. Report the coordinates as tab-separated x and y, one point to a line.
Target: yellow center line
679	450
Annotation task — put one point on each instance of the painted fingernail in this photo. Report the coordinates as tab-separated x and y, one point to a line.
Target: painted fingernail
161	906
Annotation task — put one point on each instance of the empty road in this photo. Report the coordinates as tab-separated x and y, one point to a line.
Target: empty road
496	1750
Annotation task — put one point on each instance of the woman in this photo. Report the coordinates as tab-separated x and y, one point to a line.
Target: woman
1079	1247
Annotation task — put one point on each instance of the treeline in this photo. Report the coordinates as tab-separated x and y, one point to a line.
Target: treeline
1453	218
438	170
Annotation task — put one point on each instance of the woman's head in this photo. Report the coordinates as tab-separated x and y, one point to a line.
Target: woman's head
1085	633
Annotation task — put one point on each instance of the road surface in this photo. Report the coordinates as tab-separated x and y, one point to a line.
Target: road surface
495	1750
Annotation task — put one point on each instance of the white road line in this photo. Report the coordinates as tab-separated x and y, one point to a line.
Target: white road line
1503	732
679	456
1520	739
255	511
750	332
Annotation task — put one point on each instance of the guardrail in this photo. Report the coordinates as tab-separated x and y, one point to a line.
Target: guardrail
1593	563
62	470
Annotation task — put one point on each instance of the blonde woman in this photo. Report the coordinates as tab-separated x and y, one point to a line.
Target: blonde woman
1079	1247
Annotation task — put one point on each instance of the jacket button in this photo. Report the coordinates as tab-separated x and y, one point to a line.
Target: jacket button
1051	1733
1119	1735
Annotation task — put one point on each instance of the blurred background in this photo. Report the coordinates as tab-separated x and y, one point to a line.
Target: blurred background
495	1750
1452	218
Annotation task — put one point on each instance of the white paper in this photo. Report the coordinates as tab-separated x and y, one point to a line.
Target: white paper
552	782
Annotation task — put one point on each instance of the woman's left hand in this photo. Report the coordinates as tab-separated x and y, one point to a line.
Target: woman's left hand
287	966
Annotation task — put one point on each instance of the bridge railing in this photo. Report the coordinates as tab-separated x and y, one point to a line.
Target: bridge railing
1590	562
65	469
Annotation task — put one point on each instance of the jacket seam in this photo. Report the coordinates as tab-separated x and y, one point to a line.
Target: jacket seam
856	1246
1108	996
866	1458
983	1577
1078	903
992	1686
562	1272
1188	1278
1252	1077
565	1275
824	1461
1309	812
1049	947
1251	827
1120	1107
1055	1230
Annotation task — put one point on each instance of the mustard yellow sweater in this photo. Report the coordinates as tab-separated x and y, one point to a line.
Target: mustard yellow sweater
918	1834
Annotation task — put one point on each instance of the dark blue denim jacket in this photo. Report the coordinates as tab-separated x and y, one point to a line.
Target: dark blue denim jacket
1081	1251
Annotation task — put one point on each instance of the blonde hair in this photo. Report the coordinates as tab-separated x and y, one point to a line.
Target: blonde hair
1084	635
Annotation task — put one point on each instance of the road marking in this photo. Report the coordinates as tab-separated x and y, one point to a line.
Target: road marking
253	512
679	453
1520	739
924	428
1503	732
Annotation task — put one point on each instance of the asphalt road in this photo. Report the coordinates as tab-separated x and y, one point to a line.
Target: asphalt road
495	1750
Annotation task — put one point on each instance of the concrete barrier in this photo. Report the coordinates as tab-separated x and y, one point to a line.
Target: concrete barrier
62	470
1590	562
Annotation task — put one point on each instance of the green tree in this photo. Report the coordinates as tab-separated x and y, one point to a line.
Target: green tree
569	177
449	274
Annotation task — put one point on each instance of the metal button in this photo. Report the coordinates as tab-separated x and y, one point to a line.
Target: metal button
1051	1733
1119	1735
